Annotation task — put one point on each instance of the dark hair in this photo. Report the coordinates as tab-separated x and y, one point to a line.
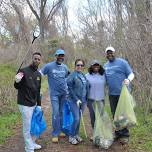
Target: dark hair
101	70
77	60
37	53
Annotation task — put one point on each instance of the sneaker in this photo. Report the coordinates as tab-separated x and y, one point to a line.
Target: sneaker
78	138
124	140
62	135
73	141
28	150
36	146
55	139
116	137
91	138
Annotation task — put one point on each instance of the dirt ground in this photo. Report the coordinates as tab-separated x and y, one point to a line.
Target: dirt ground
16	144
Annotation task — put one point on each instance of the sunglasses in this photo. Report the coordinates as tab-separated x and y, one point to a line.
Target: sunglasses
78	65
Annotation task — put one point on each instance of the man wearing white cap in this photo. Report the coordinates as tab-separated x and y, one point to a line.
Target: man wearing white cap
57	72
118	72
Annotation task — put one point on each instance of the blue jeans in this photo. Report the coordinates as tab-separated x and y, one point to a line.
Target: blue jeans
76	117
57	102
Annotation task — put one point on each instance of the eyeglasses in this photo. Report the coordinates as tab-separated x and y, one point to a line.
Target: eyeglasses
80	65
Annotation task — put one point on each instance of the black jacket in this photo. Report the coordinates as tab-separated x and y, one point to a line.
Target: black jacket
29	87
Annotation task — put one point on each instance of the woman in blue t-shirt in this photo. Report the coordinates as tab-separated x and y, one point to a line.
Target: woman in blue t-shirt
78	90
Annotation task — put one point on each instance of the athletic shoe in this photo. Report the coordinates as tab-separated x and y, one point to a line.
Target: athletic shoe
36	146
124	140
73	140
55	139
62	135
78	138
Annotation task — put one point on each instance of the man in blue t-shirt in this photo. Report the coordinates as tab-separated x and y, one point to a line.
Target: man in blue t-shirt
117	71
57	73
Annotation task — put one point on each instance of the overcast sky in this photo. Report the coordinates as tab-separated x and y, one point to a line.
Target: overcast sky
73	6
72	13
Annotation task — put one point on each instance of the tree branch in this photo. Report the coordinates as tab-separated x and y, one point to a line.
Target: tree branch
54	9
1	3
32	9
43	5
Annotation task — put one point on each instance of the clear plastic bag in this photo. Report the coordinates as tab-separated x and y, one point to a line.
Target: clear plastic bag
102	134
125	115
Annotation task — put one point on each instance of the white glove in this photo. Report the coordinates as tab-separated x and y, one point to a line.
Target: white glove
19	77
126	82
79	102
39	107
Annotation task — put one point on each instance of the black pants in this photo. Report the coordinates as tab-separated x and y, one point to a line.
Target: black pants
113	104
91	109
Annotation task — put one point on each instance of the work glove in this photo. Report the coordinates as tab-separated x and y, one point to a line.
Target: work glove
126	82
39	107
79	103
19	77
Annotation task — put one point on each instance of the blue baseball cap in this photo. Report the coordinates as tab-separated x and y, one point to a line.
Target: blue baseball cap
59	51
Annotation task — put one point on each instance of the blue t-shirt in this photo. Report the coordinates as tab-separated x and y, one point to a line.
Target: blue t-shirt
116	72
57	75
97	86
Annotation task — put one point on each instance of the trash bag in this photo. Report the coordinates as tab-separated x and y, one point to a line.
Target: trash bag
125	116
67	119
38	124
102	132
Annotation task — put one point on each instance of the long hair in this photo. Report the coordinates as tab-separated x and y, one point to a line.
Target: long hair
101	70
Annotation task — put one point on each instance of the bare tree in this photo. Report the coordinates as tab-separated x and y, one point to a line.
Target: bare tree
127	25
43	17
22	22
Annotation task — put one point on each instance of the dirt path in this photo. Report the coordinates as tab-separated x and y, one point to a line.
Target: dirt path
16	144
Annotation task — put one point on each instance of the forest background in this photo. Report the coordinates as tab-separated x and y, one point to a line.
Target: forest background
84	29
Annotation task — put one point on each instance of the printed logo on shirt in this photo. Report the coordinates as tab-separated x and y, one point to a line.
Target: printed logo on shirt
38	78
111	70
58	73
30	78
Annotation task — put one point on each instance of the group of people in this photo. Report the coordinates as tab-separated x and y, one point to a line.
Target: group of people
79	89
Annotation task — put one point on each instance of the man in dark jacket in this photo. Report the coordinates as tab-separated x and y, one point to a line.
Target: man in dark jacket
28	84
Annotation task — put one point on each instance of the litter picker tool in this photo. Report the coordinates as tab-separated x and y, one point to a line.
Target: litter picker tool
36	34
83	121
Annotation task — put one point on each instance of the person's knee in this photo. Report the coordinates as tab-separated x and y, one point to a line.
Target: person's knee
55	105
55	113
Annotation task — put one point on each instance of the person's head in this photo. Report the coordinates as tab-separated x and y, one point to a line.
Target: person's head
96	67
110	53
79	65
36	59
59	54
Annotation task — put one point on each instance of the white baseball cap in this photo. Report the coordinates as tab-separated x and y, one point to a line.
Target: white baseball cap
110	48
